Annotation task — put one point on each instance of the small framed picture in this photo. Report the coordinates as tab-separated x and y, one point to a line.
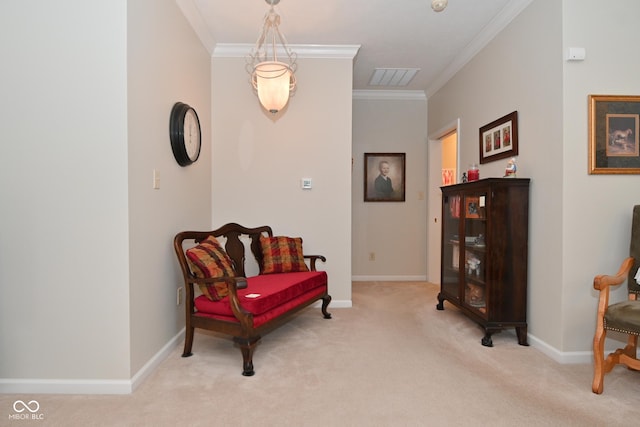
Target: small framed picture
472	207
613	134
384	177
499	139
448	176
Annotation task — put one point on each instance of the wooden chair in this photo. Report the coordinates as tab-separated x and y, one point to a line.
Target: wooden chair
623	317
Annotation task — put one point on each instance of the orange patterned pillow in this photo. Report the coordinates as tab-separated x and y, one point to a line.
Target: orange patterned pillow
208	259
282	255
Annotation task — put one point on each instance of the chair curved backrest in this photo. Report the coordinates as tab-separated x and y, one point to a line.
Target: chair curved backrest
622	317
233	246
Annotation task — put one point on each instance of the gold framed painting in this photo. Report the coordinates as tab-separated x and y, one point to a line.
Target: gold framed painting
614	121
384	177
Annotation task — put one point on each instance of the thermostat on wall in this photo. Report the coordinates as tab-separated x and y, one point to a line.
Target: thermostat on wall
306	183
576	54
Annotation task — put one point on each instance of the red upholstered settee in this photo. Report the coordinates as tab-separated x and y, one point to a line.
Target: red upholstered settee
245	307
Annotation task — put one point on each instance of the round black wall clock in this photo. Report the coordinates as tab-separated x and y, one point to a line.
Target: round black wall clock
184	132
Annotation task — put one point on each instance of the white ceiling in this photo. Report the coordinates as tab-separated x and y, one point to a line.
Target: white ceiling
391	33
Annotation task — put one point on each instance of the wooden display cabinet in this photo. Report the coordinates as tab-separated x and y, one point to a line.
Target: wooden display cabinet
485	251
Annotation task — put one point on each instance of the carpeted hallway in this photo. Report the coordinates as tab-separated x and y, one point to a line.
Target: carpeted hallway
391	360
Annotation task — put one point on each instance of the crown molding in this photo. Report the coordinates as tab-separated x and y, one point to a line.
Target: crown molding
386	95
504	18
241	50
195	19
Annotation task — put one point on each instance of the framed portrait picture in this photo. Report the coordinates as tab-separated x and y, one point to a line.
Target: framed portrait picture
384	177
499	139
613	134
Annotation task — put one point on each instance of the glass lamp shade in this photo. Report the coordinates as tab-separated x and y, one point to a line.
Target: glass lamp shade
273	81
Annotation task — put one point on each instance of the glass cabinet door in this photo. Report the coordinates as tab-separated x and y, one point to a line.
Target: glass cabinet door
451	255
474	250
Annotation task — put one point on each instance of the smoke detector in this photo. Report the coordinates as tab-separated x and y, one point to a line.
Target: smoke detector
439	5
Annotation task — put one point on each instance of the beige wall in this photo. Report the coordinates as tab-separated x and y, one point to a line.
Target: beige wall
521	69
87	275
572	234
157	78
259	160
597	208
64	295
394	231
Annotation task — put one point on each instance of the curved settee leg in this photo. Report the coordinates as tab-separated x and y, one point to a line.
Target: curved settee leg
325	304
188	342
247	346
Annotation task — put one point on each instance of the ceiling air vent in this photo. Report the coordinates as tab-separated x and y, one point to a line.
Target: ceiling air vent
392	76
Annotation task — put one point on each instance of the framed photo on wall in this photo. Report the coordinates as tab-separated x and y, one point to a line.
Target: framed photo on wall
499	139
613	134
384	177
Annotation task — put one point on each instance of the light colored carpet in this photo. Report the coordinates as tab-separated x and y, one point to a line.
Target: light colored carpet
391	360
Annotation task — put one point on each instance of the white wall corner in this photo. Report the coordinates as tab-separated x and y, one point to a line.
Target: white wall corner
97	386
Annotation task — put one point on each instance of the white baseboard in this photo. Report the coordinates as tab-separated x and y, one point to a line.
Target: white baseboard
155	361
564	357
335	304
341	304
42	386
569	357
93	386
389	278
558	356
97	386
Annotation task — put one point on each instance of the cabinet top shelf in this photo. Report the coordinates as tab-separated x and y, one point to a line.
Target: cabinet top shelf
482	182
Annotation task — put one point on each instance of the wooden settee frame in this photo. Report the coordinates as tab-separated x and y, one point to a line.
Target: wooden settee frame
244	334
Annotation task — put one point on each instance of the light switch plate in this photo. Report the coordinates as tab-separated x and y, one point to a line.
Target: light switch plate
156	179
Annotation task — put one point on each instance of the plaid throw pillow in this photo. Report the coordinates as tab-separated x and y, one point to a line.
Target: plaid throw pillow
282	255
206	260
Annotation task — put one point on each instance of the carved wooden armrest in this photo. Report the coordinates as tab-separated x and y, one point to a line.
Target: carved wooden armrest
312	260
244	317
603	281
234	283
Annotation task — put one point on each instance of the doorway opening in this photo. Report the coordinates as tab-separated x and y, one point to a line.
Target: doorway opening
443	169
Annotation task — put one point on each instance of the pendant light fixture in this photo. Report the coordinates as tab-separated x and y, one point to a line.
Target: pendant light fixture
272	64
